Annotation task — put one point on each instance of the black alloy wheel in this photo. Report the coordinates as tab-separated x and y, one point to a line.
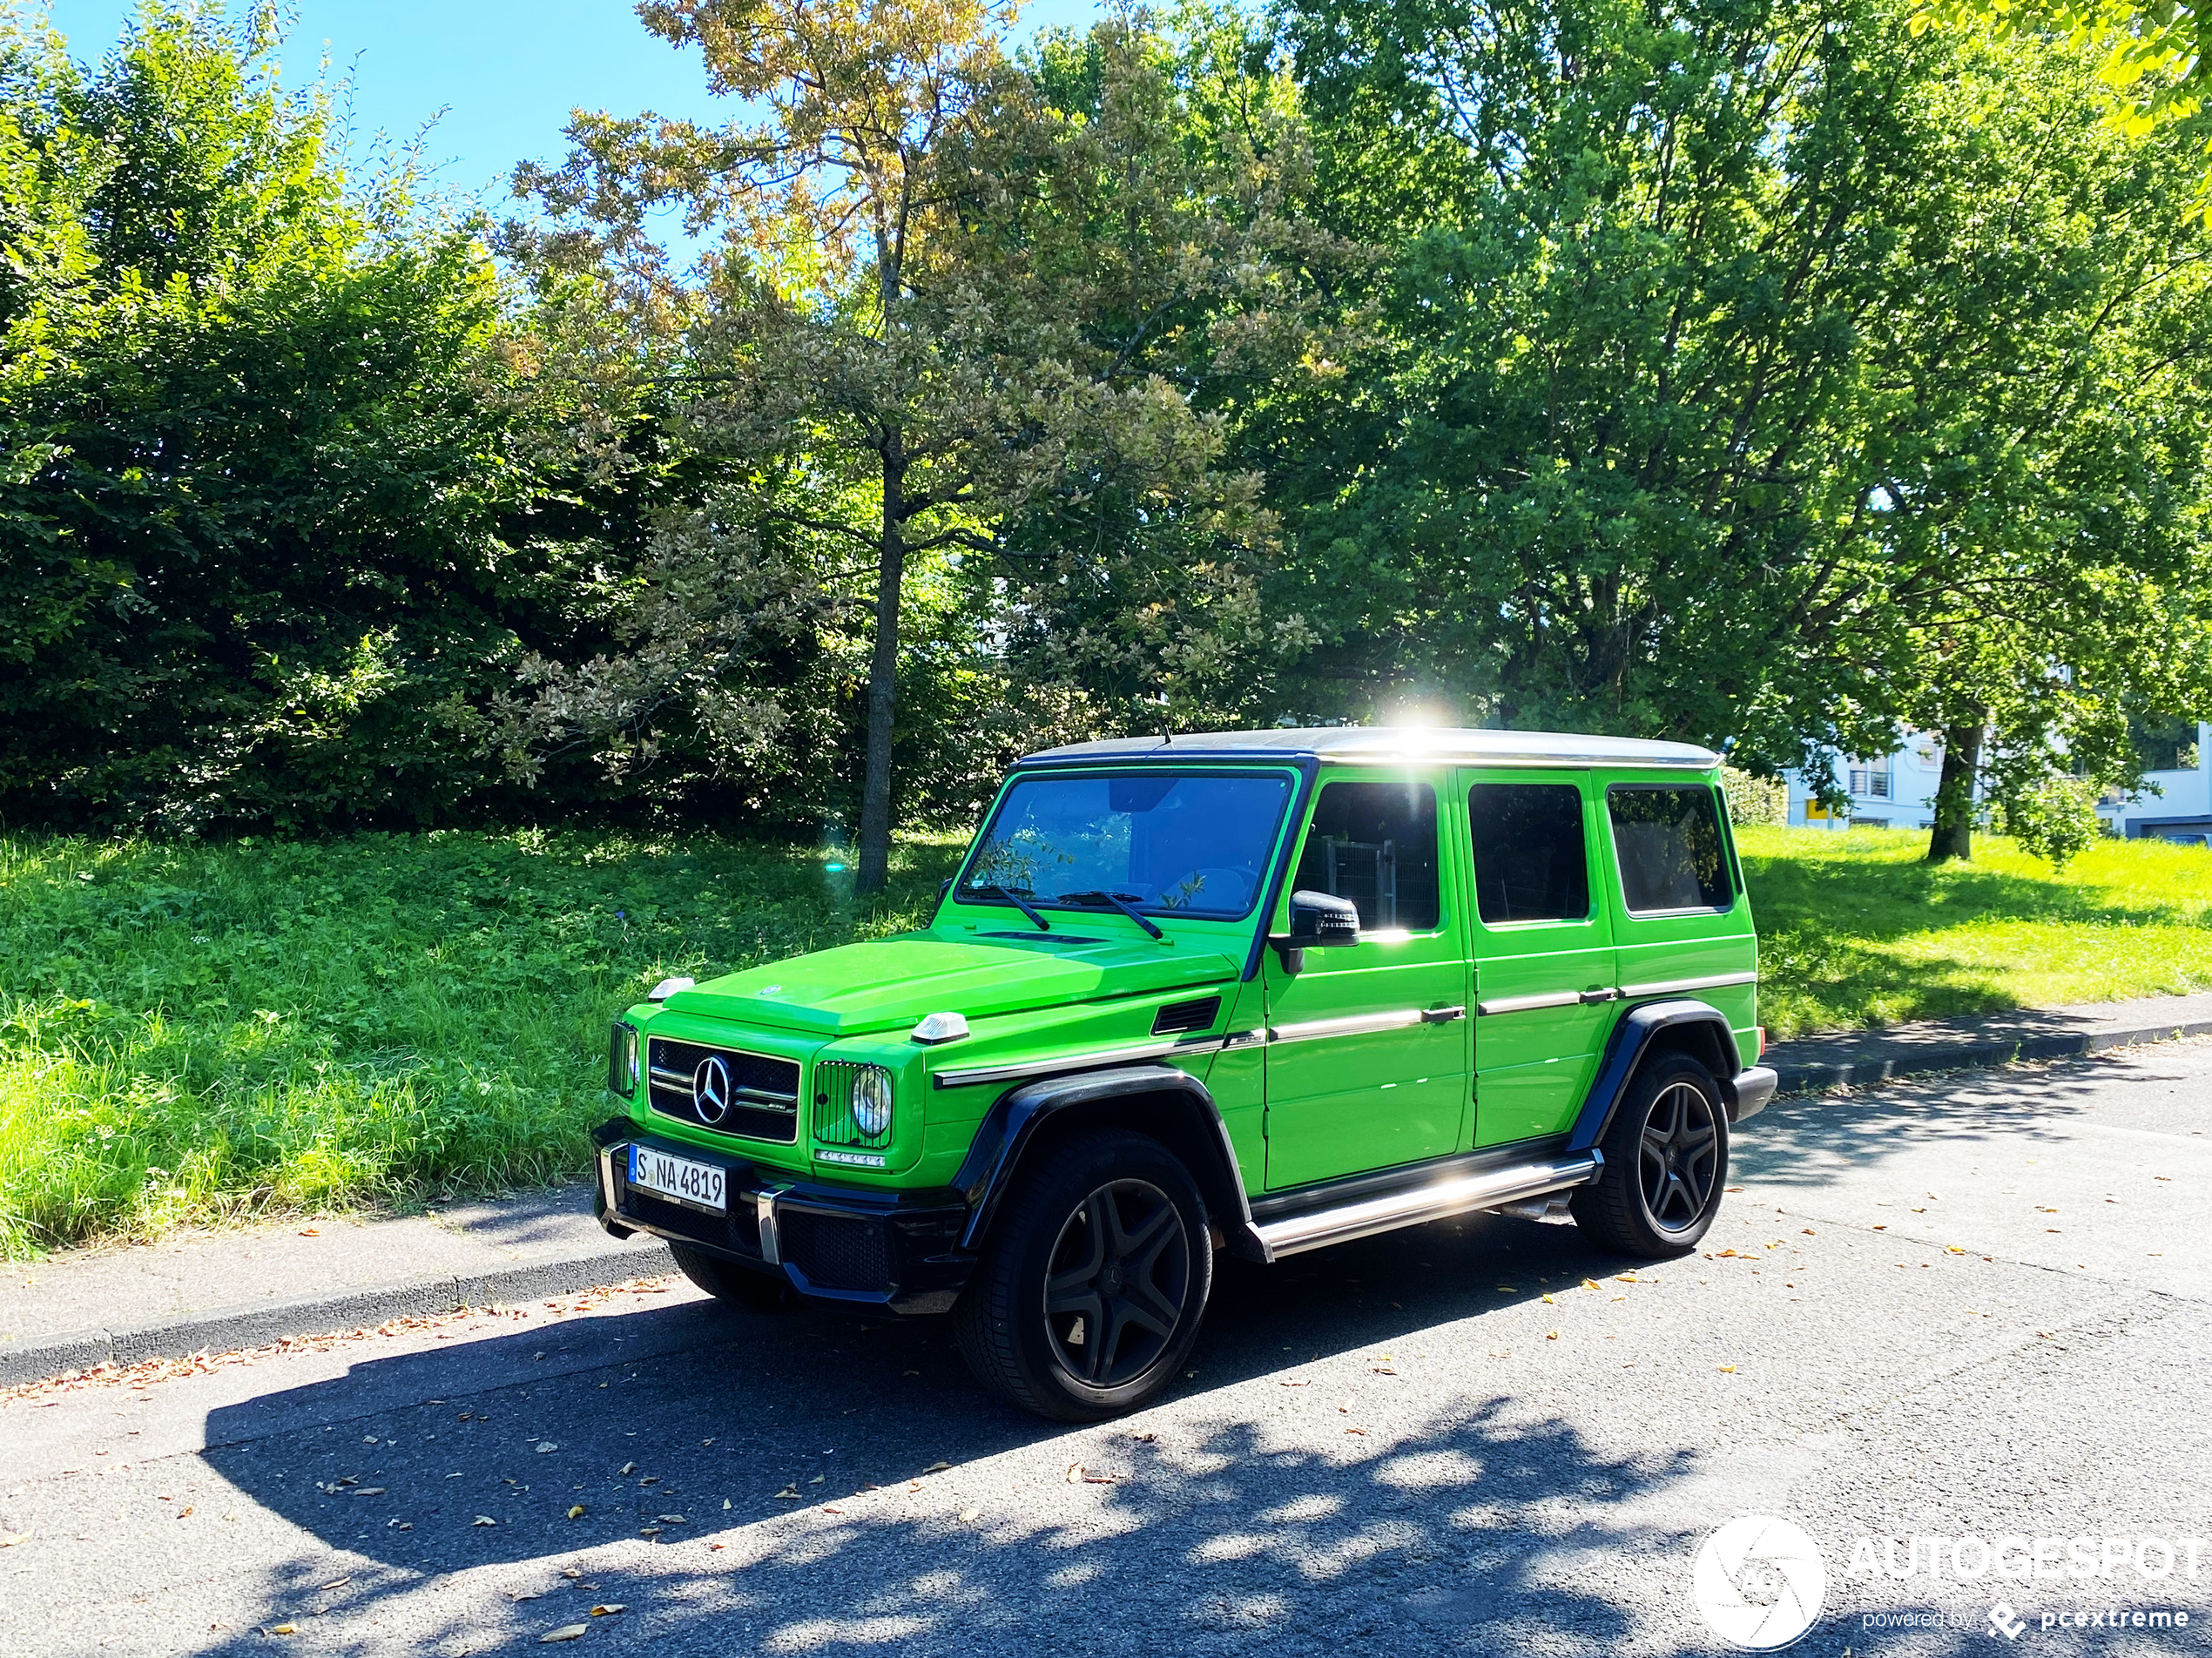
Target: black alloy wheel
1678	1158
1119	1276
1666	1162
1094	1280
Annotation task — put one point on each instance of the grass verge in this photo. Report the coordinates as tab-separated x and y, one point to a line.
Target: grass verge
192	1033
1856	929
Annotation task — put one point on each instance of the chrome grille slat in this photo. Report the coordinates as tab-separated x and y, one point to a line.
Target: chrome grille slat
763	1098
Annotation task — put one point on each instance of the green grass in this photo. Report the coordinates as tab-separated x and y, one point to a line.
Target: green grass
1856	930
197	1033
192	1033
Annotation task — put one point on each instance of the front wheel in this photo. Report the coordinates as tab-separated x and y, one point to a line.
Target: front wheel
1666	1162
1090	1291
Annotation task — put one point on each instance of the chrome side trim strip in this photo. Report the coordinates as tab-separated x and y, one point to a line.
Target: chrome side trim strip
1410	1208
1670	987
1016	1071
1356	1025
1528	1004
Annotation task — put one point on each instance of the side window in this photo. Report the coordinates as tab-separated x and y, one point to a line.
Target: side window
1375	843
1529	860
1672	856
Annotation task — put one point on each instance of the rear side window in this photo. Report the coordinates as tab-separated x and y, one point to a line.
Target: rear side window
1672	856
1529	860
1375	843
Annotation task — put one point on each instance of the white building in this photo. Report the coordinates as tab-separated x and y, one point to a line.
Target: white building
1897	791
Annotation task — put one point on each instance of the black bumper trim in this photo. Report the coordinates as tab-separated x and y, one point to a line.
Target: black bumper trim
910	1239
1754	1087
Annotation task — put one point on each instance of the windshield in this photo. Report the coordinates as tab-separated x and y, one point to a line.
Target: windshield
1156	840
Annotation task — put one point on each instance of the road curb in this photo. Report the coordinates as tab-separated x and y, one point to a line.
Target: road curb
1885	1063
228	1329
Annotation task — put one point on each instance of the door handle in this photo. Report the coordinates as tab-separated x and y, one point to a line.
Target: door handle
1597	994
1441	1015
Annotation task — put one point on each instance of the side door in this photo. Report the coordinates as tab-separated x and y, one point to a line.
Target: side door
1681	924
1542	943
1367	1050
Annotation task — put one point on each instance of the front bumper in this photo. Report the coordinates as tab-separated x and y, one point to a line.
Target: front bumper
895	1249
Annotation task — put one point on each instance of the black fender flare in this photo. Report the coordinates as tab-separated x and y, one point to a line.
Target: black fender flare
1633	1038
1011	1127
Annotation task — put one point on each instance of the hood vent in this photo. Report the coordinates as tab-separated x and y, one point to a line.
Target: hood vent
1179	1016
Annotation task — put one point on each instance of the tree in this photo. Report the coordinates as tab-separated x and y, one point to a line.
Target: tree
895	310
1739	364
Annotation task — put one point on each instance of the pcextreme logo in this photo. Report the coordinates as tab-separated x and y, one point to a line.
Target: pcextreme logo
1759	1582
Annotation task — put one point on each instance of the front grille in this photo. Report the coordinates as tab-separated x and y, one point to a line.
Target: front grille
760	1095
834	1123
832	1250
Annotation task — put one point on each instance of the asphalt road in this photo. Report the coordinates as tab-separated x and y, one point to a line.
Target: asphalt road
1975	1306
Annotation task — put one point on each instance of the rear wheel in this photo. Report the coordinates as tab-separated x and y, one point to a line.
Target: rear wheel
1090	1291
1666	1162
741	1286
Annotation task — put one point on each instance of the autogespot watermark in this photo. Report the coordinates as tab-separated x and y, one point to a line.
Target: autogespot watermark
1759	1581
2022	1559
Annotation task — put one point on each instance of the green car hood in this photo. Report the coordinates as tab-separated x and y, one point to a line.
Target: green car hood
889	984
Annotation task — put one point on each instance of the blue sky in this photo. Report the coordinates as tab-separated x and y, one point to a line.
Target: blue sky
506	72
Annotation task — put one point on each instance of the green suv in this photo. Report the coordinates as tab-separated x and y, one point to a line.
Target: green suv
1214	993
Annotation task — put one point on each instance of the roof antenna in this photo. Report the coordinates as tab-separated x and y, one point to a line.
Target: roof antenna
1167	731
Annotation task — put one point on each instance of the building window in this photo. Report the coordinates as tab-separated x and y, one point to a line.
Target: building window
1871	778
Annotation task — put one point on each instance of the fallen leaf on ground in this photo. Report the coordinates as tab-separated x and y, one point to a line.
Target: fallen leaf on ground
283	1630
1552	1336
788	1491
9	1539
338	1582
818	1479
937	1467
570	1573
1729	1367
1362	1432
187	1512
627	1467
369	1490
577	1513
969	1515
608	1610
672	1519
546	1446
1075	1471
1101	1479
483	1520
524	1594
566	1632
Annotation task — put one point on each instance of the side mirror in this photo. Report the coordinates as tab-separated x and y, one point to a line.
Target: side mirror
1323	921
1318	921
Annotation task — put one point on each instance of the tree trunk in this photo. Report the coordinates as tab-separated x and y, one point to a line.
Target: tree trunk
1953	836
883	679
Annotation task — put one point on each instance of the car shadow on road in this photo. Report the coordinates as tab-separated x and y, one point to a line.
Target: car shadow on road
1232	1525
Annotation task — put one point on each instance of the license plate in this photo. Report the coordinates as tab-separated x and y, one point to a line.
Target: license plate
696	1185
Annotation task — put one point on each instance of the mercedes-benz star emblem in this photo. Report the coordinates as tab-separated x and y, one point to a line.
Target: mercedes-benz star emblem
710	1086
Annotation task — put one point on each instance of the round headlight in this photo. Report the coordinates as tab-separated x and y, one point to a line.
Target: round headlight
872	1101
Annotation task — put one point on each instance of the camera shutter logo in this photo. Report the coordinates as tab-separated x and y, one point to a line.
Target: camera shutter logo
1759	1582
711	1085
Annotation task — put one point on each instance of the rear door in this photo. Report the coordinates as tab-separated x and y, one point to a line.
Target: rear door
1681	924
1542	944
1367	1050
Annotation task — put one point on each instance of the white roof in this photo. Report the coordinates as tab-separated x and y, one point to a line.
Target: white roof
1393	744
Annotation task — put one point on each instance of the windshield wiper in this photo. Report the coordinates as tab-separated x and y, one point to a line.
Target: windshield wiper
1019	903
1119	902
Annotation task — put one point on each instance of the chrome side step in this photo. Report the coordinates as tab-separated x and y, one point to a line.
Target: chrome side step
1488	1189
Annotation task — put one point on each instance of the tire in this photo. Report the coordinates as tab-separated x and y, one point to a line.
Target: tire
739	1286
1666	1163
1105	1230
